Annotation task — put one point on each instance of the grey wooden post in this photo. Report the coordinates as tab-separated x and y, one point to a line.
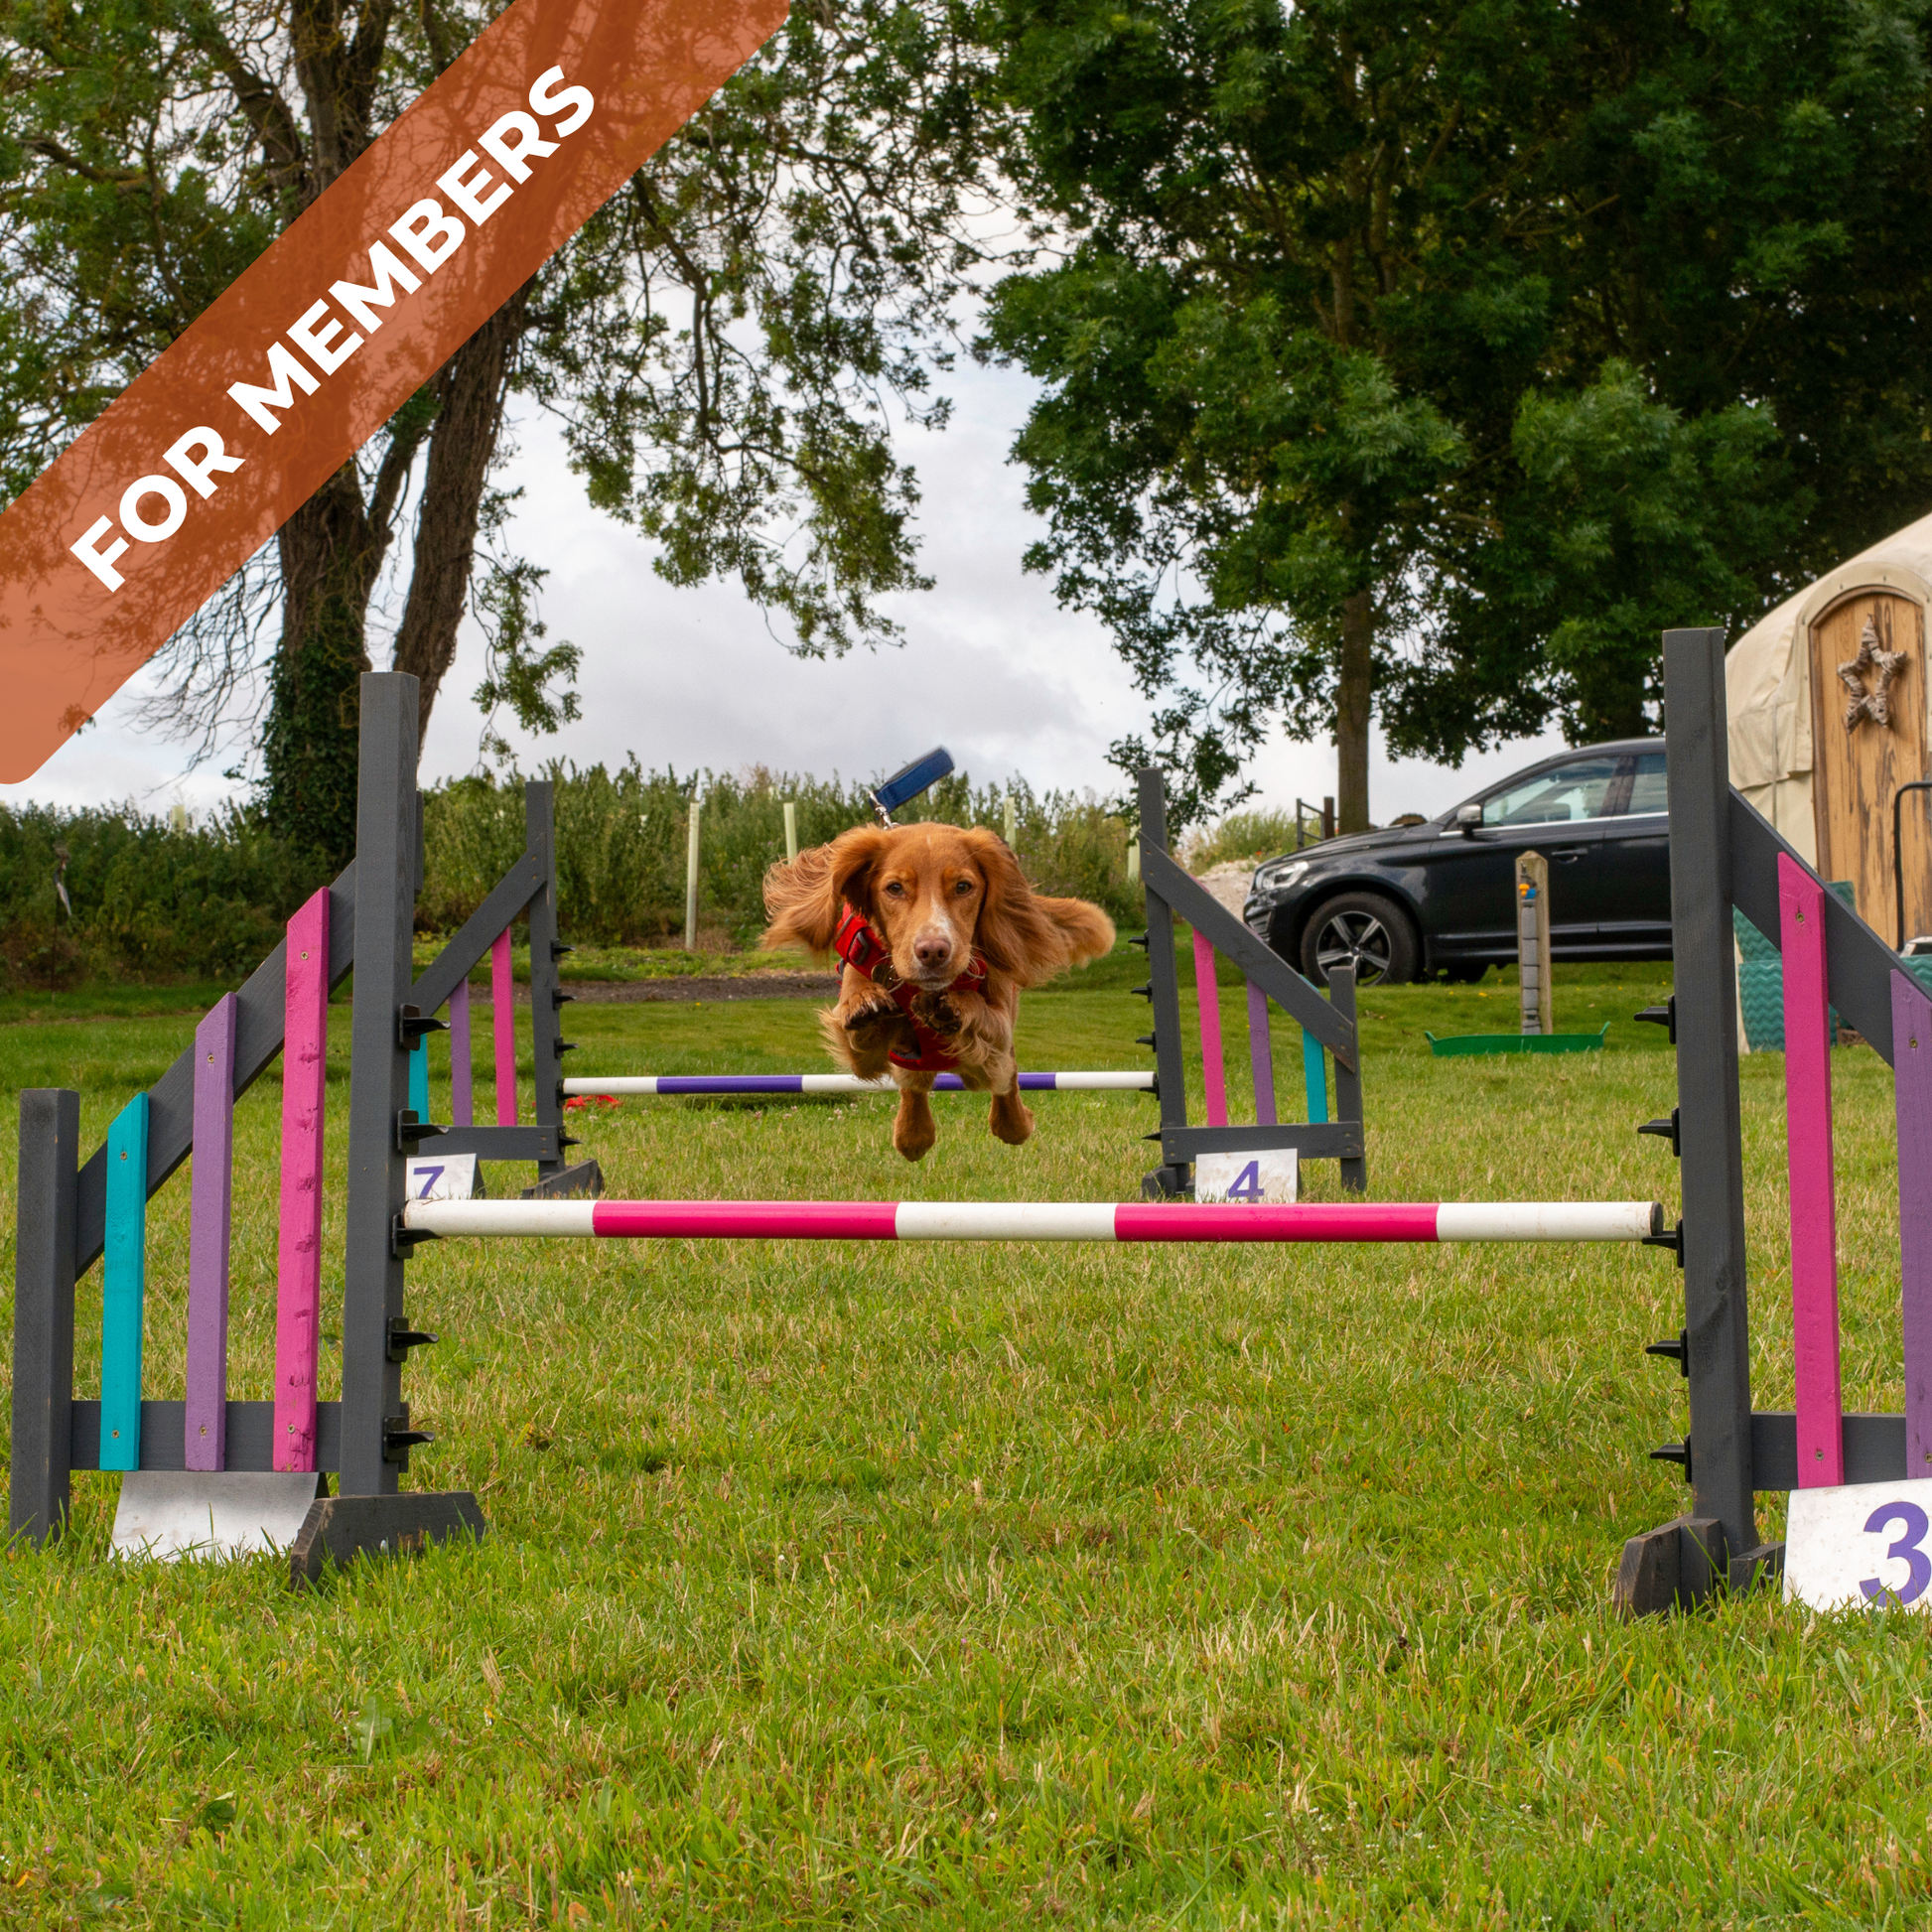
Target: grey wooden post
1713	1174
1348	1079
1164	982
43	1247
386	823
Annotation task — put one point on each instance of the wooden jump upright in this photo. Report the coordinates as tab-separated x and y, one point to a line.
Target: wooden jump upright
73	1212
1724	854
1327	1028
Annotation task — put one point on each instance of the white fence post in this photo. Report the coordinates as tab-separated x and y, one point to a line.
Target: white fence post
791	832
1012	823
691	881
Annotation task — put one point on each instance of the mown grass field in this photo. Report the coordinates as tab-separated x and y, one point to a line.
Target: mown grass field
985	1586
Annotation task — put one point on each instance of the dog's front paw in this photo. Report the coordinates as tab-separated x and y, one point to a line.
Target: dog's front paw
934	1009
875	1013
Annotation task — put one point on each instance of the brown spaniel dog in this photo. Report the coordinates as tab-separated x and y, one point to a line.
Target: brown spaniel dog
938	930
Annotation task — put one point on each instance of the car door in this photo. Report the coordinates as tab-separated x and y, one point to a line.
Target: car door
1556	811
1634	894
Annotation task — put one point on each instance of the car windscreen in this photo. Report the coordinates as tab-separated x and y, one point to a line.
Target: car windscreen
1576	790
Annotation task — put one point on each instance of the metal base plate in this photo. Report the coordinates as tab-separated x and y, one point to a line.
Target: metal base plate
170	1513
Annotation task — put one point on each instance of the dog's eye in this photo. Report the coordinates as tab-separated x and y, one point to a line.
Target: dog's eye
894	890
964	887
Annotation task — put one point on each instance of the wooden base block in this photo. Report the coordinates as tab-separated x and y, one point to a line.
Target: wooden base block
587	1177
338	1528
1684	1563
1764	1565
1671	1567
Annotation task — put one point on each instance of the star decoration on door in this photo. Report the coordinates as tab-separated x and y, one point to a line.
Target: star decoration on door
1873	702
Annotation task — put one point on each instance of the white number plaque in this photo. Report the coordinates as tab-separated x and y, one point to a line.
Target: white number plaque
1271	1176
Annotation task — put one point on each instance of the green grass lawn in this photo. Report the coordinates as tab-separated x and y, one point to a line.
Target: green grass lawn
974	1585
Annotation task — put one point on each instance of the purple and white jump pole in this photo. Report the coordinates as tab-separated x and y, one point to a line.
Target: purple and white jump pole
838	1083
1133	1221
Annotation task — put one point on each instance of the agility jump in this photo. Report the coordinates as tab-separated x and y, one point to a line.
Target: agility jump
67	1214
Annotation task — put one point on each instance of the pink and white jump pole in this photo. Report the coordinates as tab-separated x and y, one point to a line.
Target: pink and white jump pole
710	1220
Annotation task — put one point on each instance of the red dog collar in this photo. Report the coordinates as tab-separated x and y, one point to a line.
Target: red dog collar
867	954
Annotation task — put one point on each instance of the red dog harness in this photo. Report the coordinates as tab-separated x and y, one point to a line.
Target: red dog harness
868	955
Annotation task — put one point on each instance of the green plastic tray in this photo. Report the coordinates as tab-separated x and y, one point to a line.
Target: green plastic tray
1458	1043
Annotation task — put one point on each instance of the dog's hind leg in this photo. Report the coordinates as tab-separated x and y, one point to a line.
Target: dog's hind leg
1010	1118
914	1131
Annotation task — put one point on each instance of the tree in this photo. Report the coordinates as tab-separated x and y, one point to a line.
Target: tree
725	342
1278	225
1421	358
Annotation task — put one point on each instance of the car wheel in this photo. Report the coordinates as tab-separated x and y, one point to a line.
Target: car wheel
1365	929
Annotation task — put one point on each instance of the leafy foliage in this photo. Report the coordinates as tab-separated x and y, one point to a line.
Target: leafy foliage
727	343
1450	352
145	901
1619	542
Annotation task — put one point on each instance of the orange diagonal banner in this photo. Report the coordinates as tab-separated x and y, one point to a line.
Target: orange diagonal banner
211	450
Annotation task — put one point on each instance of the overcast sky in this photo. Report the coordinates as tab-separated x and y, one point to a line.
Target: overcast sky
991	668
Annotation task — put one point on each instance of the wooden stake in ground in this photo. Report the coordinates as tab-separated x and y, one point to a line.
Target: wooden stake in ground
691	882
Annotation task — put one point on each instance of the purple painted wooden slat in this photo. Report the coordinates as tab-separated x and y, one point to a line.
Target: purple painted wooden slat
503	995
1261	1055
205	1421
1208	996
461	1101
1912	1039
298	1260
1808	1142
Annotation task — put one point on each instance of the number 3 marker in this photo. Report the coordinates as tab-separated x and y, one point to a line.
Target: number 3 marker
1907	1547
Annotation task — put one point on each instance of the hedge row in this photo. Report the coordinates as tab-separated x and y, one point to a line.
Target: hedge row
147	900
622	844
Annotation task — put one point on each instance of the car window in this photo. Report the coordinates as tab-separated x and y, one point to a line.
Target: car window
1565	791
1647	789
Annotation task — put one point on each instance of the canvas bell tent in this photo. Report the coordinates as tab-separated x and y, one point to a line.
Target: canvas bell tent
1827	699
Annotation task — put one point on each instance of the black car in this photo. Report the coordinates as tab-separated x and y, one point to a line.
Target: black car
1419	899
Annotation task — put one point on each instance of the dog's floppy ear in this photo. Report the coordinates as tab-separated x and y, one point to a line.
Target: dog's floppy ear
806	898
1015	935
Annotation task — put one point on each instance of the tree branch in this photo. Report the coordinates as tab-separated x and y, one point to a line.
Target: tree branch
261	104
47	145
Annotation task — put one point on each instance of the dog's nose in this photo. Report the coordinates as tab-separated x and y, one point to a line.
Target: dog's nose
931	949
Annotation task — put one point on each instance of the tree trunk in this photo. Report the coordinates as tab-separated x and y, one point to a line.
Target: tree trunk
470	413
1353	691
330	556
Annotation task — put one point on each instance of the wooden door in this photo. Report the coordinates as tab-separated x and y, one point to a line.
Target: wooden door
1868	736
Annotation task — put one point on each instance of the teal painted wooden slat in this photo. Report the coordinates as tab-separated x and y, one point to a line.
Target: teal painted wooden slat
1315	1075
419	1078
124	1287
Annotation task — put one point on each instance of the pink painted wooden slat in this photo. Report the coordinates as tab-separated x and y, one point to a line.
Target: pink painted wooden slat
1207	994
461	1100
211	1200
1912	1039
1261	1055
298	1258
502	996
1808	1142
